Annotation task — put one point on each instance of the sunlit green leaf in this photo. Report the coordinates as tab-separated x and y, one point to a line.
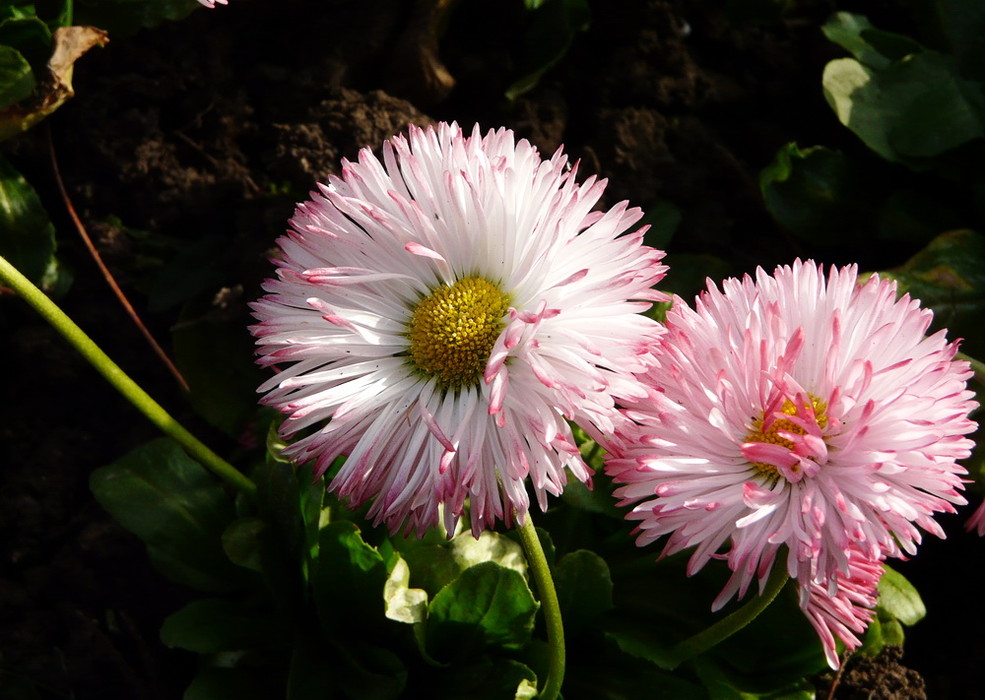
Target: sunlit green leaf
899	598
871	46
916	108
403	603
176	507
487	606
27	237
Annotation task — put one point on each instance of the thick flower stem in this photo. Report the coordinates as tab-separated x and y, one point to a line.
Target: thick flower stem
9	275
549	604
732	623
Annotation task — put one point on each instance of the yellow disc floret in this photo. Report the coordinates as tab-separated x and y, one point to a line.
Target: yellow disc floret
781	425
452	331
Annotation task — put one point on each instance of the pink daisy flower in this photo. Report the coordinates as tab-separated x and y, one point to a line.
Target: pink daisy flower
212	3
843	606
440	314
796	411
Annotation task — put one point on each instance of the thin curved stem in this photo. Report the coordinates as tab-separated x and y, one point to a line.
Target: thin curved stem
119	379
732	623
541	573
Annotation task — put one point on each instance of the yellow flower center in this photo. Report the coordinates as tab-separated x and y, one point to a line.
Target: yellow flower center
781	425
452	331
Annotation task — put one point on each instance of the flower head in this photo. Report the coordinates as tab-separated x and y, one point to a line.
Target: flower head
842	607
212	3
445	311
796	411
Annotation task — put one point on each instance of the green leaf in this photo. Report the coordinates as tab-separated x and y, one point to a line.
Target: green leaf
16	77
213	625
125	17
584	588
213	350
899	598
816	195
31	37
723	686
964	24
487	606
871	46
916	108
176	507
403	603
641	643
243	542
27	237
691	273
349	578
242	683
435	565
948	276
548	36
486	679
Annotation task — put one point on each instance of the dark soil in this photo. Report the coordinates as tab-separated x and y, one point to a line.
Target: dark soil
206	132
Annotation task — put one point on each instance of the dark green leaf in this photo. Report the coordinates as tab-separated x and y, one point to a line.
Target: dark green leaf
27	238
487	679
349	578
874	48
663	217
32	38
964	24
548	36
244	540
899	598
213	350
691	273
722	686
176	507
125	17
487	606
16	78
241	683
640	641
584	588
816	195
914	109
213	625
949	277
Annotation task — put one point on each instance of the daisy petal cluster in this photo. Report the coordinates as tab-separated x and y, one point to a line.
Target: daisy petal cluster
439	315
212	3
797	413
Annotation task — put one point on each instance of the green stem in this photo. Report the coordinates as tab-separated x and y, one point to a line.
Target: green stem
729	625
116	376
977	366
541	573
